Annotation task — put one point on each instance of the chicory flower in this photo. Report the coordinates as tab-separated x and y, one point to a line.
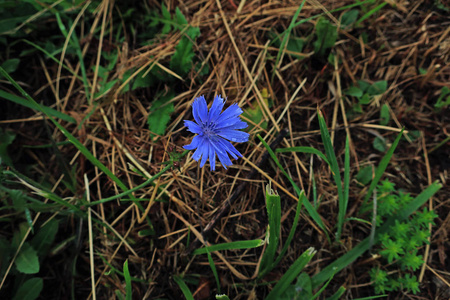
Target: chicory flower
214	128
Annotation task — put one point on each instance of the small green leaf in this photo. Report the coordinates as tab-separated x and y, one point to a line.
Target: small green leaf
160	112
45	237
326	36
296	44
440	5
303	284
11	65
30	289
365	99
332	59
377	88
255	114
356	109
354	91
181	61
166	15
180	18
384	115
27	261
6	139
349	17
363	85
379	144
18	200
19	235
444	99
413	135
364	175
411	283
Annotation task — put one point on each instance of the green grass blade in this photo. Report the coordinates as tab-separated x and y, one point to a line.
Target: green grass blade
304	150
273	206
314	189
41	191
74	42
346	174
286	37
186	292
291	274
115	270
47	110
369	13
363	246
329	151
338	294
126	274
301	199
382	167
320	291
118	295
230	246
311	210
52	57
214	270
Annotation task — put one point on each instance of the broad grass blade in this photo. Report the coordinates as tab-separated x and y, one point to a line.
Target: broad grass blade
273	206
291	274
329	151
184	288
311	210
382	167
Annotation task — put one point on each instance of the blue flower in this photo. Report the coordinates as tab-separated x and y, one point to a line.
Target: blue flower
214	128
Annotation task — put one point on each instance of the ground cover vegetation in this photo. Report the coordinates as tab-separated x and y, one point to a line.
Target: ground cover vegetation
341	111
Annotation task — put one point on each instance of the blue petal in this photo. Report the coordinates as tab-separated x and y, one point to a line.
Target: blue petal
222	154
212	157
232	123
195	112
200	110
227	146
205	152
193	127
195	143
216	108
233	111
233	135
202	150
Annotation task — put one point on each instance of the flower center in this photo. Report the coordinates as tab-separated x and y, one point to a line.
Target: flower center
209	129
